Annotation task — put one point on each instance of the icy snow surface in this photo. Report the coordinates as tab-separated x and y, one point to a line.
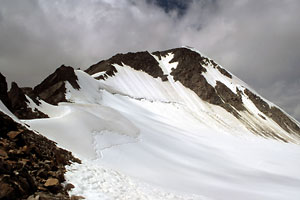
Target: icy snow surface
141	138
5	110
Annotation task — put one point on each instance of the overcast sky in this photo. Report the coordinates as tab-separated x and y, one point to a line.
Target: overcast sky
258	41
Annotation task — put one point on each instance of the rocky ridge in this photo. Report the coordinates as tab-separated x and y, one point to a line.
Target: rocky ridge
53	88
190	72
31	166
16	101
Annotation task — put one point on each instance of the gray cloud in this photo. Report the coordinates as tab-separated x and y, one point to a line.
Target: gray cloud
259	41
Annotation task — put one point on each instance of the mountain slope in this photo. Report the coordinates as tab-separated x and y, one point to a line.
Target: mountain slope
187	69
30	164
168	125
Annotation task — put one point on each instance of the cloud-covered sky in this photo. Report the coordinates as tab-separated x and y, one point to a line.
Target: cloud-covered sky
259	41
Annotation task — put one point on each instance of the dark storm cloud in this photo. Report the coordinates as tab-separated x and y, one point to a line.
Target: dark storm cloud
181	6
259	41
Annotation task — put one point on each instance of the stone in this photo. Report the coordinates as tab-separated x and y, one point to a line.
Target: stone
6	190
3	92
51	182
19	104
69	186
33	197
30	157
73	197
53	89
143	61
42	188
13	134
3	154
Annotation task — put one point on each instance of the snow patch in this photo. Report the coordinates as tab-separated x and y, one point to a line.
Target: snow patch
97	182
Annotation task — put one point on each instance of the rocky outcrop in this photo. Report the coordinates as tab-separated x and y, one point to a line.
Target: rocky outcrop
224	72
235	100
53	89
102	66
17	98
274	113
29	92
30	164
16	101
143	61
19	105
3	92
189	72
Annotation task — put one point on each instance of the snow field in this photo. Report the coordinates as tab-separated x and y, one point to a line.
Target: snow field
141	138
93	181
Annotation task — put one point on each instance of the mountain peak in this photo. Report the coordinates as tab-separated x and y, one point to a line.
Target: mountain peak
53	89
208	80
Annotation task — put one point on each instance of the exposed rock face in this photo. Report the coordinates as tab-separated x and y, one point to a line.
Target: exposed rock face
189	72
274	113
3	92
29	92
17	98
28	161
102	66
53	89
143	61
19	104
224	72
229	97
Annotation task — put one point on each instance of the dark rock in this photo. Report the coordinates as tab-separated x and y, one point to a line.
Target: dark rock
143	61
189	73
69	186
17	97
30	93
3	92
274	113
19	104
28	156
6	191
42	173
224	72
53	89
3	154
49	196
229	97
7	124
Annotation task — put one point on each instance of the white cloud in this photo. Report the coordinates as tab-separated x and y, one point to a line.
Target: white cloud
259	41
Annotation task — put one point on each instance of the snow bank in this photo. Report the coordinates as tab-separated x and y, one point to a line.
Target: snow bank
77	128
94	181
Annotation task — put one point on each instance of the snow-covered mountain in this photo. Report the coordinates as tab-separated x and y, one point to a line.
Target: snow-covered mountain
164	125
